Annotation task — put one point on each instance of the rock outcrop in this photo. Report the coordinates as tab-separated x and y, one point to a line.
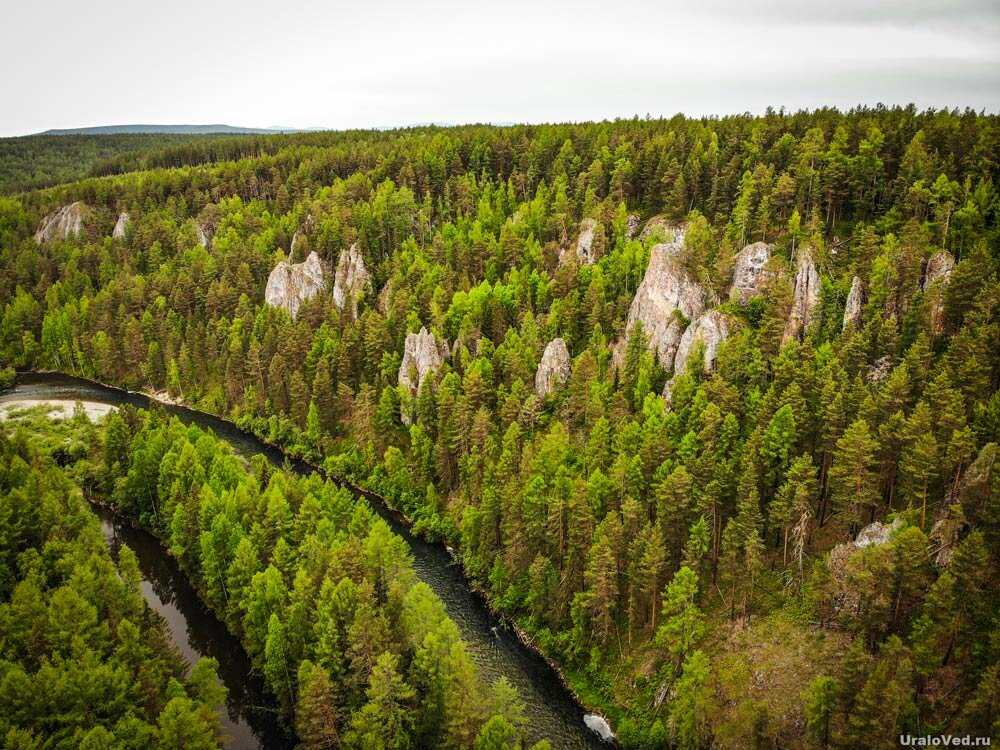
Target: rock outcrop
120	226
62	223
939	266
351	281
584	245
657	223
711	329
852	311
422	354
936	278
554	368
291	284
845	597
205	233
666	300
632	225
806	294
749	272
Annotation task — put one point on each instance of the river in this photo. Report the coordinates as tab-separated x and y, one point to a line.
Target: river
552	711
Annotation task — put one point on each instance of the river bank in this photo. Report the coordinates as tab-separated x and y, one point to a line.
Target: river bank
559	714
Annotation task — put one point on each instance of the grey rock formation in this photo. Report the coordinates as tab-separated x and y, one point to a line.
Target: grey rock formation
584	245
936	278
876	533
873	535
632	226
749	272
852	311
422	354
351	281
711	329
657	223
939	266
205	233
554	368
120	226
665	297
62	223
806	293
291	284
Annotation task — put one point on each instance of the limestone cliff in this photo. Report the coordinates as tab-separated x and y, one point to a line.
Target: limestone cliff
291	284
711	329
806	296
553	370
120	226
852	310
749	273
62	223
937	275
351	280
422	354
666	300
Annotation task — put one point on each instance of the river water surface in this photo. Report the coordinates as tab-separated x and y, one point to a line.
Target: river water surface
552	711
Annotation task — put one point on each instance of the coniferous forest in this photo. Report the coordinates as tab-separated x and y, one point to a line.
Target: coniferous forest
708	407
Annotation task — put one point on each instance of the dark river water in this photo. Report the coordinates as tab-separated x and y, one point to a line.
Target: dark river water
551	710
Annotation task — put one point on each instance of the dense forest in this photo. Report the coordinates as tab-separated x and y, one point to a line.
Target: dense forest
44	160
83	662
751	498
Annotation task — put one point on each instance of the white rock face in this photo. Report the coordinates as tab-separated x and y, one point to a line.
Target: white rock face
62	223
876	533
852	311
666	293
120	226
939	266
422	354
584	245
291	284
204	234
806	297
749	272
554	368
711	329
936	278
351	281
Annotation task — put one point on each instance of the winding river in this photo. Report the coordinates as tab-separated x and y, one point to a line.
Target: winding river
552	711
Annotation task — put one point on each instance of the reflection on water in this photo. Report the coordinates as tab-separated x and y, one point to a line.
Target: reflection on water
552	712
250	720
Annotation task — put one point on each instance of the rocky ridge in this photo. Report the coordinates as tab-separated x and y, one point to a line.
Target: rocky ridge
351	280
64	222
553	369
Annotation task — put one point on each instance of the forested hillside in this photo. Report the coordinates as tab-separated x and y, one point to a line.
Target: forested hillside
83	662
709	405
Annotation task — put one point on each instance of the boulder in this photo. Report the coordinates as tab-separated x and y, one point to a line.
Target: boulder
120	226
749	273
584	245
291	284
351	280
666	300
554	368
936	278
852	311
422	354
806	294
64	222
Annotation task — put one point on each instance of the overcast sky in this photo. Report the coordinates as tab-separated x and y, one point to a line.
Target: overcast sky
374	63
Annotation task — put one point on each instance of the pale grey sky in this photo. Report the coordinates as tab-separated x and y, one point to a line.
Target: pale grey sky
329	63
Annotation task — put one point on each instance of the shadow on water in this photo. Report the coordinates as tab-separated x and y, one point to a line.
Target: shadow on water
551	709
250	720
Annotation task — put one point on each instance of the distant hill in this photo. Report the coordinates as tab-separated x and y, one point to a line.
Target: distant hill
174	129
